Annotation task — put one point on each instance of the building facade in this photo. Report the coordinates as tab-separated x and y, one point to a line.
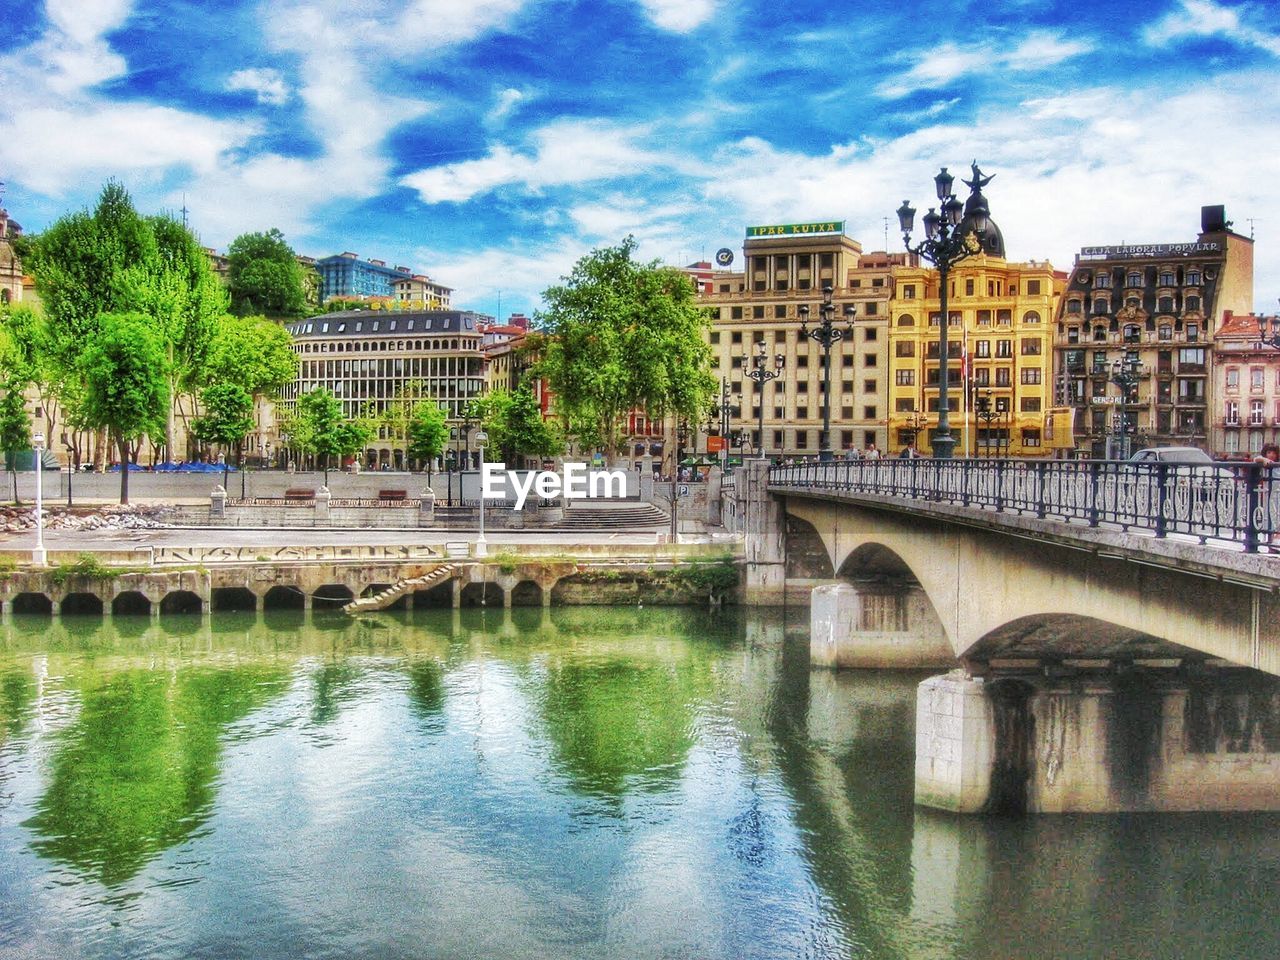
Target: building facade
419	292
758	308
371	359
1244	397
1154	310
11	288
346	275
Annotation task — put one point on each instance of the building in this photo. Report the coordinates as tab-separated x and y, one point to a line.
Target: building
1244	396
369	359
11	280
346	275
787	266
999	332
1154	309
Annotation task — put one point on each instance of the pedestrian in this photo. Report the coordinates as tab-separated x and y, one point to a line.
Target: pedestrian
1268	477
873	452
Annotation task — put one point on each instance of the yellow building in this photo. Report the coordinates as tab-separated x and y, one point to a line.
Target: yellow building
786	267
1000	348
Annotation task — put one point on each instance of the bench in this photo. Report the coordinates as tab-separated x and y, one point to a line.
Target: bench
457	548
393	494
299	493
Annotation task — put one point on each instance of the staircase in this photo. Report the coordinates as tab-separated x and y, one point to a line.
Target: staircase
616	516
380	601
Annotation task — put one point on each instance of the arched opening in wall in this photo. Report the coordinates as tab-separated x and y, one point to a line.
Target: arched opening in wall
131	603
441	595
401	602
1075	641
807	557
481	595
81	604
526	593
875	561
181	601
226	599
36	603
331	596
284	597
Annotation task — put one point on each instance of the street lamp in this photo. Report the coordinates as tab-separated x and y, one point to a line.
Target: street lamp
1273	338
825	334
1124	374
71	467
723	411
481	439
38	555
987	413
761	374
943	246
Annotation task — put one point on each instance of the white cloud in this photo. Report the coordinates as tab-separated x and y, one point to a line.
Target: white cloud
948	63
267	84
431	23
679	16
568	152
1205	18
507	102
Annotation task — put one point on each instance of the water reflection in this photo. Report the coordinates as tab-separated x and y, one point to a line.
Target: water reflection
532	783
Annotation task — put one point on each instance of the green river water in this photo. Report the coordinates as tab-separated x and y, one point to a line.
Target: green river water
589	782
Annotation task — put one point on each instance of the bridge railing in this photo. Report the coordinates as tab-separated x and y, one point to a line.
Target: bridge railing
1237	502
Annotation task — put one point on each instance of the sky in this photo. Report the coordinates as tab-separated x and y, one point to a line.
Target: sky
491	143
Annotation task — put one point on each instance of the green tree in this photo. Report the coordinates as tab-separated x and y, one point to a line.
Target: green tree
515	425
427	433
227	420
624	335
15	427
253	353
123	367
321	428
264	276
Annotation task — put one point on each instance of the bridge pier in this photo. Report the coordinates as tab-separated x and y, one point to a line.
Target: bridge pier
764	524
875	625
1099	744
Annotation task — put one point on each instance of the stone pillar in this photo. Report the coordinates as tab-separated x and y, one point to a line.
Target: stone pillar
877	626
56	607
456	584
765	530
646	478
715	480
307	602
955	743
323	496
427	508
6	609
218	503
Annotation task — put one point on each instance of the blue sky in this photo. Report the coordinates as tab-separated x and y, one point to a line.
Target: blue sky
492	143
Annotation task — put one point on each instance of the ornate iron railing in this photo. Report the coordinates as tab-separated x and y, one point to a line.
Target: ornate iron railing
1238	502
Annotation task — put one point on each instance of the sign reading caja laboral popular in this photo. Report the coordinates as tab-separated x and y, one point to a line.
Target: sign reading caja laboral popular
796	229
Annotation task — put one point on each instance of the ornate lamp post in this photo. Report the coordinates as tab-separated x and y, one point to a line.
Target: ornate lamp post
943	246
481	546
759	371
722	412
1272	339
826	334
1124	374
38	555
987	414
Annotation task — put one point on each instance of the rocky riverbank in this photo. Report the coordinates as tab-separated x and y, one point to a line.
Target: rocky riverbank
106	517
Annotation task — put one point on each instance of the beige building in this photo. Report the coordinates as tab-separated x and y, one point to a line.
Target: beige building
1244	397
11	280
785	267
1155	308
419	292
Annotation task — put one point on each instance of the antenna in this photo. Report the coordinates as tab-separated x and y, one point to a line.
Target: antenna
185	211
886	233
498	318
1251	220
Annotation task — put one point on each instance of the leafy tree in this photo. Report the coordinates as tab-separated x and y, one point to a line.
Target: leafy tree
253	353
227	420
264	276
515	424
622	336
428	433
15	426
123	367
321	428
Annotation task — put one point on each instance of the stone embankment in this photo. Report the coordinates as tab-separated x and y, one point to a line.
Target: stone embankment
109	517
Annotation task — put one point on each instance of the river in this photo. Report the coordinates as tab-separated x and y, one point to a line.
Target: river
579	782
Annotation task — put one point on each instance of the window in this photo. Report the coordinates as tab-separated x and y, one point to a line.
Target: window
1255	413
1256	374
904	348
868	359
826	259
1233	413
1101	305
1133	280
1102	280
871	308
1073	334
1002	376
1166	278
905	378
1193	303
1031	316
1004	316
735	313
1004	348
847	360
802	360
935	319
1031	375
1193	332
982	348
757	313
1031	346
982	376
870	334
1132	333
968	288
1030	404
779	312
906	320
868	386
908	291
869	413
802	386
1164	305
1190	391
1233	378
736	336
1031	437
1033	288
1073	306
1165	332
904	405
715	338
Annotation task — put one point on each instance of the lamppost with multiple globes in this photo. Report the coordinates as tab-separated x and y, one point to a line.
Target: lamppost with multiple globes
825	334
986	412
723	412
1124	374
943	246
1271	339
757	368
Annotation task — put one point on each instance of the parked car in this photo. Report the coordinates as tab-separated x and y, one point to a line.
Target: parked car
1192	468
1171	455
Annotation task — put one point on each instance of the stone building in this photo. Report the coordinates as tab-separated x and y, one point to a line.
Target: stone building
11	285
785	267
1152	309
1244	394
369	358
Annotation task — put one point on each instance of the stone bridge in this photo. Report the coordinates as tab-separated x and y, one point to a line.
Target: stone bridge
1096	664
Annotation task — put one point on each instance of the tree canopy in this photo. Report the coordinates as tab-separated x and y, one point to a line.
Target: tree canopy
252	352
514	422
321	428
427	433
622	336
264	276
227	420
